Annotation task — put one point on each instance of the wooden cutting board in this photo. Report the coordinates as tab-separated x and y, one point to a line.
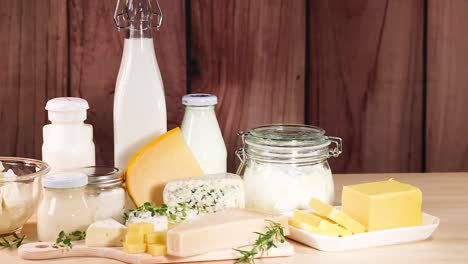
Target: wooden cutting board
44	250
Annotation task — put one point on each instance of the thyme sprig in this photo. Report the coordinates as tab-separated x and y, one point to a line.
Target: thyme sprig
65	240
174	214
16	241
274	233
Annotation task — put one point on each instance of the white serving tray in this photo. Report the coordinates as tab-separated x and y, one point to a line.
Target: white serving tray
369	239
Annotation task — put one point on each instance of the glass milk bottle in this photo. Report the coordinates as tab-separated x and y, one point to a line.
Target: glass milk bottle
139	103
201	130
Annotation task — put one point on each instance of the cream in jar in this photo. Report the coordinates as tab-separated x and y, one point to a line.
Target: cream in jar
63	206
284	166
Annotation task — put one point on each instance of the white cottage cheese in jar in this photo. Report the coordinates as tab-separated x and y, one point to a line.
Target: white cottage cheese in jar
284	166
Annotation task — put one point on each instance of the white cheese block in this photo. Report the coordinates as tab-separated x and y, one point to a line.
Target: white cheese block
210	194
160	223
105	233
227	229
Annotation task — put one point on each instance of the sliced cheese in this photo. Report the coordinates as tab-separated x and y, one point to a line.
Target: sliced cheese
157	249
105	233
324	225
134	238
337	216
230	228
156	238
140	228
166	158
134	248
384	204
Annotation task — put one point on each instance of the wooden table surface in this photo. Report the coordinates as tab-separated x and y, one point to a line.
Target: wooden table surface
444	195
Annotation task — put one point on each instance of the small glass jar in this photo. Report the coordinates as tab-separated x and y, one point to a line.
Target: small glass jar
284	166
63	206
105	192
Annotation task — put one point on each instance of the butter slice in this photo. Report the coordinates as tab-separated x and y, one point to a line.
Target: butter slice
227	229
105	233
323	225
310	228
337	216
383	205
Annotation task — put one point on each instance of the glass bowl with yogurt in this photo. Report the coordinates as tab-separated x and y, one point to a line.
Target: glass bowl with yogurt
19	191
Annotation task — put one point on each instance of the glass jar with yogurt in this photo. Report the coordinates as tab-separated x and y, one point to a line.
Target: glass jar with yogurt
105	192
284	166
63	206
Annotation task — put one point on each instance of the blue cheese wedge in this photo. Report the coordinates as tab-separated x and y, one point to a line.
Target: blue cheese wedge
209	194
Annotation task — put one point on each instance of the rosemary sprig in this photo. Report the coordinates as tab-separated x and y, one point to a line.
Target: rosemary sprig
274	233
175	214
16	241
65	240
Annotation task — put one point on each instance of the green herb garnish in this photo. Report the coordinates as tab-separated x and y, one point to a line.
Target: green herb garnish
65	240
174	214
264	242
16	241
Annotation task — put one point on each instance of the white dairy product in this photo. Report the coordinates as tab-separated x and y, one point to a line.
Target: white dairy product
108	203
68	141
64	205
202	133
16	202
208	194
280	188
160	223
105	233
139	103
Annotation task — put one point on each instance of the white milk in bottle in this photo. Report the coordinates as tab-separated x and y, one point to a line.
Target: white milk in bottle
139	103
201	131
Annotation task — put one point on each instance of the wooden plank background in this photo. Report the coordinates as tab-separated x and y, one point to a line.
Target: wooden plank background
388	76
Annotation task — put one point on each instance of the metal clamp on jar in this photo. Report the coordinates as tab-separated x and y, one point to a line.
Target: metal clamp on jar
284	166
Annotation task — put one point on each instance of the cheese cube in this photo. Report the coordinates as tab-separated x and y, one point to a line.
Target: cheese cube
157	249
337	216
325	226
105	233
140	228
156	238
230	228
134	238
384	204
134	248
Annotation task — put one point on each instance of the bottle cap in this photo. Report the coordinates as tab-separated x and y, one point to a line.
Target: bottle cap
199	99
67	109
65	180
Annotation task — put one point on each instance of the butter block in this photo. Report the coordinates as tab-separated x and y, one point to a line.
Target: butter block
105	233
229	228
383	205
156	238
142	228
325	226
157	249
134	238
337	216
134	248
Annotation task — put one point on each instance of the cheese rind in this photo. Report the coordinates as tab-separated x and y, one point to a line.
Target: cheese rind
227	229
337	216
383	205
210	193
105	233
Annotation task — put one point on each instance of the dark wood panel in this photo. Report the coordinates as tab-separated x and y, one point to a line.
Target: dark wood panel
33	68
366	81
250	54
95	54
447	92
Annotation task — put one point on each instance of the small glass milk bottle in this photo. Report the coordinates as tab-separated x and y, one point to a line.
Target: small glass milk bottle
202	133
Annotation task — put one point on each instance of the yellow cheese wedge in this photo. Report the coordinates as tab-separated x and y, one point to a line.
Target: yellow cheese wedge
134	248
337	216
383	205
310	228
166	158
134	238
156	238
141	228
322	224
157	249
